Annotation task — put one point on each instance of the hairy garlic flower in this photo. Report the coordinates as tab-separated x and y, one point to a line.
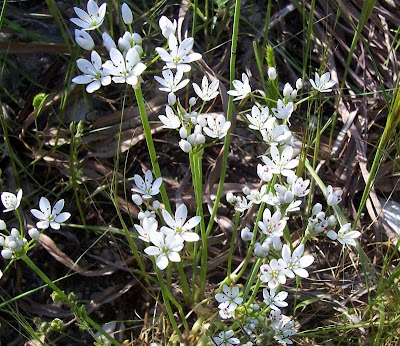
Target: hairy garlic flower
226	339
258	118
147	187
273	274
171	83
91	19
11	201
295	263
275	300
167	27
207	91
333	198
323	84
345	235
229	299
242	88
281	163
50	217
170	120
83	39
217	128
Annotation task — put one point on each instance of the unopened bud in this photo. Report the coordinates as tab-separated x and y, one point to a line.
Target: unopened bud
299	84
183	133
34	233
272	73
192	101
127	16
156	205
137	199
14	233
171	99
185	146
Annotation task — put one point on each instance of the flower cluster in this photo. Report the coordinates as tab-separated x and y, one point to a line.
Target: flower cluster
125	64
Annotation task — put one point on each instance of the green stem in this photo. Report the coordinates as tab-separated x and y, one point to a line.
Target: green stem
67	301
150	145
253	274
229	269
229	115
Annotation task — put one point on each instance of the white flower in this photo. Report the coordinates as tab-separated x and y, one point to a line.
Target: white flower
185	146
246	235
299	84
345	235
282	326
91	19
229	299
256	196
148	225
282	163
147	187
94	75
264	173
11	201
108	41
242	88
84	39
261	250
170	83
126	13
179	227
273	274
272	73
128	41
125	70
179	56
3	225
333	198
166	248
274	300
273	226
170	120
167	27
225	339
299	187
241	204
258	118
283	111
207	92
273	134
217	128
50	217
323	84
296	262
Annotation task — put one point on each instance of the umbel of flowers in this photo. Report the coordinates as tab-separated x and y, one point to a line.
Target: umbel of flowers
254	309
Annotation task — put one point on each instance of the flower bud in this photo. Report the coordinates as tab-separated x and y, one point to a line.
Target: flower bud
14	233
193	120
291	179
202	120
260	250
200	139
316	208
20	245
141	216
246	190
256	307
2	240
34	233
167	27
299	84
108	41
287	90
156	205
183	133
293	95
12	244
272	73
185	146
137	199
171	99
83	39
230	198
6	254
192	101
288	197
246	235
3	225
197	129
331	220
127	16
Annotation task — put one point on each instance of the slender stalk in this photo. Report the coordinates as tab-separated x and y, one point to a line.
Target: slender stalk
258	283
229	115
67	301
229	265
150	145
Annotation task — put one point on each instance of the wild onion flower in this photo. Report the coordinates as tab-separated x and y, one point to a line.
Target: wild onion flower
299	187
272	73
246	234
179	56
147	187
275	300
258	118
12	244
179	227
273	134
126	13
229	299
283	328
242	88
83	39
281	163
91	19
345	235
11	201
128	41
167	27
273	274
148	225
166	248
50	217
170	120
283	111
171	83
273	226
108	41
295	263
225	339
94	75
207	91
217	128
333	198
323	84
124	70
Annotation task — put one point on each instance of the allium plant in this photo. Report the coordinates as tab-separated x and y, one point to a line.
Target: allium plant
245	311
